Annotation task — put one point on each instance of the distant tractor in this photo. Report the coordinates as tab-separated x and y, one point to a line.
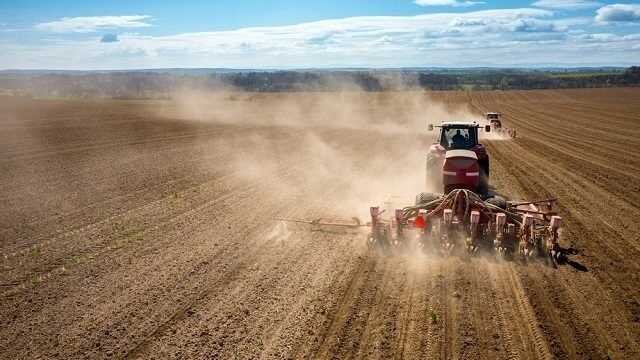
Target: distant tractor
457	160
496	124
494	120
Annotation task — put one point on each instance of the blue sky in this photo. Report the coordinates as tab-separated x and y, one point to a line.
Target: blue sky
329	33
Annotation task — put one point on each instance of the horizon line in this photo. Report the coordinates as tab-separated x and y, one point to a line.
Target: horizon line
500	67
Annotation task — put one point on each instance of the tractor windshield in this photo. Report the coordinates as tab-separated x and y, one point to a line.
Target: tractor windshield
458	138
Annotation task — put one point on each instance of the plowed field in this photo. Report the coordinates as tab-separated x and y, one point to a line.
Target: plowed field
140	229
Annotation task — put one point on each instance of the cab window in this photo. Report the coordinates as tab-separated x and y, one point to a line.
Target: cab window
460	138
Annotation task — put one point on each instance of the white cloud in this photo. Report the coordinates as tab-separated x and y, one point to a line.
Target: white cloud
350	35
469	22
619	13
476	38
534	25
455	3
85	24
566	4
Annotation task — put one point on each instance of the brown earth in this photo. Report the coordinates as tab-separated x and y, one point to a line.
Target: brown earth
142	230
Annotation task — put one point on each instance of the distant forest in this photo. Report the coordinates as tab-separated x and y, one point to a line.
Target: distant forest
161	84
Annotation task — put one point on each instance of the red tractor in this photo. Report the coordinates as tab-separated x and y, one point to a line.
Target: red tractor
462	213
458	160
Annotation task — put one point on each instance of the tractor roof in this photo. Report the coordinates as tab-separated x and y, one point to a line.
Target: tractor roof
460	124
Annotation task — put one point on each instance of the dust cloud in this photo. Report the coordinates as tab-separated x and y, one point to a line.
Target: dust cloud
351	149
338	152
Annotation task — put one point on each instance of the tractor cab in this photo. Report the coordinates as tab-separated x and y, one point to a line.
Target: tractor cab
458	137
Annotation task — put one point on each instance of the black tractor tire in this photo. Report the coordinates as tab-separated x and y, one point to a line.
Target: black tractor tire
498	201
426	197
484	166
483	185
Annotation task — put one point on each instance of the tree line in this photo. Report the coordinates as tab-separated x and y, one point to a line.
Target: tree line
158	84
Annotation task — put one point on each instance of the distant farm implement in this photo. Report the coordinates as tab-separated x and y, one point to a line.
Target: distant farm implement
494	119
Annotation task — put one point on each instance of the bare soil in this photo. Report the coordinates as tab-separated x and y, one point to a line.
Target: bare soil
143	229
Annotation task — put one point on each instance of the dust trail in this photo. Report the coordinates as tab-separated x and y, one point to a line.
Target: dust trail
388	112
364	172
